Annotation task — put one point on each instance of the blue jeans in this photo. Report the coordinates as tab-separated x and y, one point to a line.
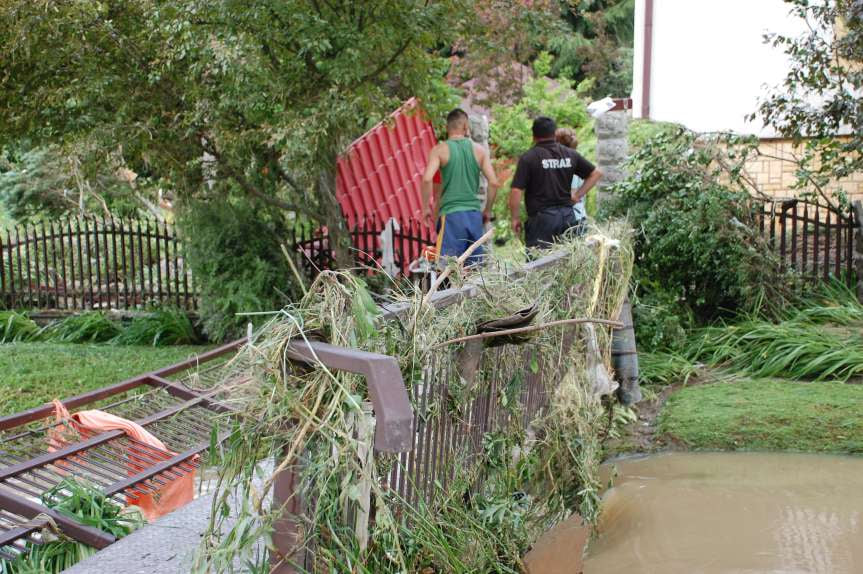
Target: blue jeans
457	231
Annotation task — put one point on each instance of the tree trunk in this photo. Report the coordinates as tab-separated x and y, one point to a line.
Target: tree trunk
339	237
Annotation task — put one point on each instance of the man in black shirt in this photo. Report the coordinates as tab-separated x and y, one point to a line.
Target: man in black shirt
544	175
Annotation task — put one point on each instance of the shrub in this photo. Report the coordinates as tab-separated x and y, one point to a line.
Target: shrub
15	327
696	233
234	251
89	327
162	327
510	131
661	320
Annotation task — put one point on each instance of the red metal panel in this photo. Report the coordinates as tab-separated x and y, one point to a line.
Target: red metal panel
380	172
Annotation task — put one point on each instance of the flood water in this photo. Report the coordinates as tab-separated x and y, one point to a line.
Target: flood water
741	513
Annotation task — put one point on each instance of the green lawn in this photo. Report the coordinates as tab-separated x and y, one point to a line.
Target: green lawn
34	373
751	414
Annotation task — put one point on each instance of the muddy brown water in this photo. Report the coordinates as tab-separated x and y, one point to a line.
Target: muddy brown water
706	513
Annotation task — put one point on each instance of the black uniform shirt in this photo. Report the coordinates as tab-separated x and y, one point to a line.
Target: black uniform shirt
545	173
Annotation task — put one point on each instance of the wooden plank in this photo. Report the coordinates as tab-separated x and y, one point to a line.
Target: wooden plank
57	272
149	261
89	261
47	285
159	289
116	267
27	262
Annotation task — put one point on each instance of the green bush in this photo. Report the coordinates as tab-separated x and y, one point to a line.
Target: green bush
89	327
162	327
510	131
696	234
16	326
661	320
641	131
234	250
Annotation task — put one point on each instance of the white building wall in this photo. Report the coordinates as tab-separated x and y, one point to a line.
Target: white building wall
709	62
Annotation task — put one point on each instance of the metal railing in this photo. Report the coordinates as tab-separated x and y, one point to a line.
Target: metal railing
32	463
429	449
406	241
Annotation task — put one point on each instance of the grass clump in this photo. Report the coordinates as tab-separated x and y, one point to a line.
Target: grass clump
666	368
160	328
471	525
87	505
761	414
818	338
791	349
89	327
16	326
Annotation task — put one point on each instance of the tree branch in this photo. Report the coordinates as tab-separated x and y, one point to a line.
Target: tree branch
389	62
247	186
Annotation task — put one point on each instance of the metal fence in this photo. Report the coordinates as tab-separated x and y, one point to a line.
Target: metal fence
93	263
100	264
32	462
375	245
815	239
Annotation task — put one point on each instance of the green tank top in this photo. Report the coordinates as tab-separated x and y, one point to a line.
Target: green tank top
460	178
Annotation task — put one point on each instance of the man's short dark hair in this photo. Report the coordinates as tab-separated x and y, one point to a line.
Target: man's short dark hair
544	127
455	117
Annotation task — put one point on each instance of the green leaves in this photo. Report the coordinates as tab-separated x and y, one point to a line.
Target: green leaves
820	95
510	131
697	236
365	311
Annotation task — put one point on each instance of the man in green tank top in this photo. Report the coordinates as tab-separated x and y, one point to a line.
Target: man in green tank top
457	208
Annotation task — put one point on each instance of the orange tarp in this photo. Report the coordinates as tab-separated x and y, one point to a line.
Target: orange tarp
174	494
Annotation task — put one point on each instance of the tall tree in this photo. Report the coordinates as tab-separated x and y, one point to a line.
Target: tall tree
239	108
269	90
594	41
820	101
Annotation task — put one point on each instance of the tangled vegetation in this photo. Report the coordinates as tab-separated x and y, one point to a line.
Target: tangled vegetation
86	504
697	238
817	338
310	414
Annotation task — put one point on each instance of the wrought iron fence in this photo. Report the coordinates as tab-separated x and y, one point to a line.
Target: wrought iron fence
371	240
93	263
89	263
815	239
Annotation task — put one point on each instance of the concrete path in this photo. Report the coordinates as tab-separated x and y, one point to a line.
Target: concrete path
166	546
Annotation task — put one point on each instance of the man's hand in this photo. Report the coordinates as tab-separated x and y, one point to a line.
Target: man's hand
486	215
515	209
516	226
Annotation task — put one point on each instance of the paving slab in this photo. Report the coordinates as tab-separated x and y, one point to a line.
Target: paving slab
166	546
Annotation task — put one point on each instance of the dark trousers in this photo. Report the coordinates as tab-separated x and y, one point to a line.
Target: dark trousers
544	227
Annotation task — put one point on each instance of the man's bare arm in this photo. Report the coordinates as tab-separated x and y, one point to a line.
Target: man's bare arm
578	194
426	189
493	184
515	209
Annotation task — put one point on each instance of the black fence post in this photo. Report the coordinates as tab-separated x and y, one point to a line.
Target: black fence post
857	227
